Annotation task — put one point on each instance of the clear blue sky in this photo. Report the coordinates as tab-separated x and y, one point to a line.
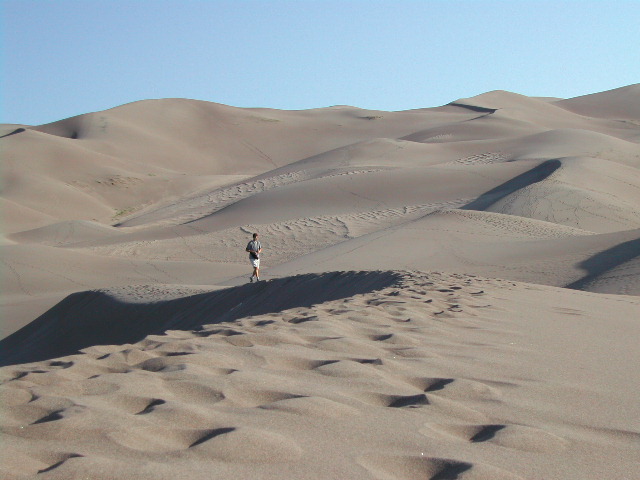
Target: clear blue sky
63	58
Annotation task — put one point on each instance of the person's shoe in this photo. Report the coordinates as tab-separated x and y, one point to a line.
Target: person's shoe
257	279
251	280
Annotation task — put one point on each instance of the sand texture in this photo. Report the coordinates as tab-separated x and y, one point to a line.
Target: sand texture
447	293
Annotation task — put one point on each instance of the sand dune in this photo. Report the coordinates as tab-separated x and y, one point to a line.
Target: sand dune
124	158
351	375
586	193
38	277
65	233
133	344
618	104
145	310
550	115
480	243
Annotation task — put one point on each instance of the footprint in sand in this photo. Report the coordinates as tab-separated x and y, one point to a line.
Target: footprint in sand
60	364
394	339
65	457
91	387
312	406
39	411
151	406
163	439
429	384
10	396
26	463
168	363
303	319
249	398
390	400
285	362
194	392
246	445
411	467
130	404
460	389
517	437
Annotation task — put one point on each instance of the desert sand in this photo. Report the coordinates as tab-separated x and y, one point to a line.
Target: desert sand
447	293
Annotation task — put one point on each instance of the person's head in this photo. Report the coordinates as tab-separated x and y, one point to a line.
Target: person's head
255	236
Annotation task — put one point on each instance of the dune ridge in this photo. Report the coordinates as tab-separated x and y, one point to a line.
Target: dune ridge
128	314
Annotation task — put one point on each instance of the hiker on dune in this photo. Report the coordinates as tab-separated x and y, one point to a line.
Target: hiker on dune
254	248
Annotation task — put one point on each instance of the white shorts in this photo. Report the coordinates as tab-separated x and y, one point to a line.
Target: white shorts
255	262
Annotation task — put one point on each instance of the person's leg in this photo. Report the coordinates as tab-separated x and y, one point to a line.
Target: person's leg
254	272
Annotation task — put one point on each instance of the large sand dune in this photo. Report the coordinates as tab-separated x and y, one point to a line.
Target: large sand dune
134	345
338	375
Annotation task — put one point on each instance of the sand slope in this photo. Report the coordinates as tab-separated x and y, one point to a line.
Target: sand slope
37	277
187	181
133	344
100	164
587	193
383	375
620	104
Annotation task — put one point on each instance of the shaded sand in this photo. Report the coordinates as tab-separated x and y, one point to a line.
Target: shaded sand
344	375
134	347
36	277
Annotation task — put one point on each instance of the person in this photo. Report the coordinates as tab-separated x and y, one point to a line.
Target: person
254	248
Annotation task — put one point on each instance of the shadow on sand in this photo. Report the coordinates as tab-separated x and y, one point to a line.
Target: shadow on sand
605	261
523	180
98	317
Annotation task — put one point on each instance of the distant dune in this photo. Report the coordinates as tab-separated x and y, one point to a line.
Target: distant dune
448	293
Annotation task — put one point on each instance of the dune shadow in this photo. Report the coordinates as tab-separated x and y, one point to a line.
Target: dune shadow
99	317
535	175
604	261
15	132
473	108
